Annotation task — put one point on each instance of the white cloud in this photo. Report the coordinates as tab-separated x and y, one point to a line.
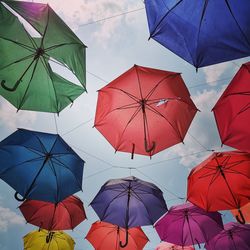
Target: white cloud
11	119
8	218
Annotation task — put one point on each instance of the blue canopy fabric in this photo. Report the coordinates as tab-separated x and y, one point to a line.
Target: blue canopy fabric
40	166
201	32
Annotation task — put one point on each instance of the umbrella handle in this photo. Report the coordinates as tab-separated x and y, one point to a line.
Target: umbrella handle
240	218
126	242
148	150
17	198
8	88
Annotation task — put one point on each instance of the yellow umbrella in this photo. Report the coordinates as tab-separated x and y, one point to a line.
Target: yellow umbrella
45	240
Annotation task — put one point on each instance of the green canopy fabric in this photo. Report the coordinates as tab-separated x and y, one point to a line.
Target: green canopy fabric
27	80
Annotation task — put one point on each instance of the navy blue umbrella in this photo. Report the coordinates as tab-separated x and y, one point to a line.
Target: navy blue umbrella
40	166
201	32
129	202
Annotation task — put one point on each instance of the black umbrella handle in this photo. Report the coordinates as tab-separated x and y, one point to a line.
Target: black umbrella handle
126	242
17	198
240	218
8	88
147	149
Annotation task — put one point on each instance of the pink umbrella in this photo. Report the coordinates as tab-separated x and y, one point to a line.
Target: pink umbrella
170	246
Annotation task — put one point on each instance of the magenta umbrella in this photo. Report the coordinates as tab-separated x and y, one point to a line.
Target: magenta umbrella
188	224
235	236
170	246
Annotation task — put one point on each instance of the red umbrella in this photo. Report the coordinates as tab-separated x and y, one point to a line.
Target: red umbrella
103	236
144	111
245	211
221	182
232	111
64	215
170	246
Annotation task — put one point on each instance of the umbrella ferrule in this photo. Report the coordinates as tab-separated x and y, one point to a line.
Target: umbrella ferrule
39	52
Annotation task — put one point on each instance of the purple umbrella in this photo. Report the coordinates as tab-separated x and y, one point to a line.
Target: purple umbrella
235	236
129	202
188	224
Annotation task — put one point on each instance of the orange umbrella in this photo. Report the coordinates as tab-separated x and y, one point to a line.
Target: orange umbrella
245	210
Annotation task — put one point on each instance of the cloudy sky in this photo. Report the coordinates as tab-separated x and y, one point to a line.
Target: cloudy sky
114	45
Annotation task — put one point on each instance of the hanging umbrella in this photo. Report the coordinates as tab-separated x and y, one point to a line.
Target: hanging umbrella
26	77
40	166
42	239
170	246
245	210
64	215
103	236
188	224
147	110
201	32
129	202
221	182
232	111
234	237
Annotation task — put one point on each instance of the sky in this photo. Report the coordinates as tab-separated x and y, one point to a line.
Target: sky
115	45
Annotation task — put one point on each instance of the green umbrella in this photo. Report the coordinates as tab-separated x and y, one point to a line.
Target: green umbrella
27	79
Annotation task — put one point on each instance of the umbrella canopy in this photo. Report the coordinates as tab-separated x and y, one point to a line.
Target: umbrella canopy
27	79
234	237
232	111
64	215
129	202
144	111
188	224
201	32
221	182
103	236
46	167
170	246
42	239
245	210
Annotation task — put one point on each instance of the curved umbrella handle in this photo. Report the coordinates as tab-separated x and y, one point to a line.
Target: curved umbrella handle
126	242
8	88
240	218
148	150
17	198
49	237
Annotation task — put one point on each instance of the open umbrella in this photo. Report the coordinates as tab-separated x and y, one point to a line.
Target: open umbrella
232	111
26	77
66	214
221	182
245	210
129	202
40	166
188	224
42	239
234	237
170	246
144	111
103	236
201	32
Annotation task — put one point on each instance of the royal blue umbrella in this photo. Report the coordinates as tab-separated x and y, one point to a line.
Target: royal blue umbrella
201	32
129	202
40	166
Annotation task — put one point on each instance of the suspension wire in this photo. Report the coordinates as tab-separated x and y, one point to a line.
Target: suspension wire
99	172
56	125
170	192
110	17
96	76
204	147
78	126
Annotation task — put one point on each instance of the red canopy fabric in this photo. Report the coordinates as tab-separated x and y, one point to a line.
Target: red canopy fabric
64	215
106	236
144	111
170	246
245	211
232	111
221	182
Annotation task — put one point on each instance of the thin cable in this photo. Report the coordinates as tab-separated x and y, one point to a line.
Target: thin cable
199	142
170	192
56	123
110	17
96	76
99	172
78	126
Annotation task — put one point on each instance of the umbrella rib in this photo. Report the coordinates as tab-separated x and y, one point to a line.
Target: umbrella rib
150	93
62	44
127	93
177	132
138	81
62	164
238	25
169	10
54	171
236	172
127	106
71	220
19	164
